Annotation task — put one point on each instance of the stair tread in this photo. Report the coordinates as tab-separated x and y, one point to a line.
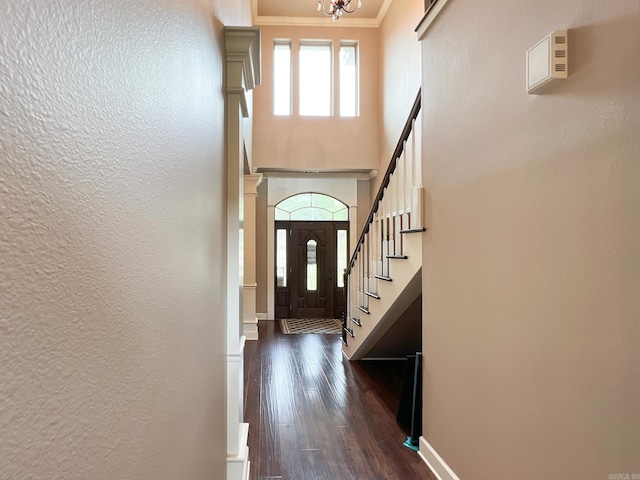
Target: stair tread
372	295
382	277
414	230
364	309
401	257
356	321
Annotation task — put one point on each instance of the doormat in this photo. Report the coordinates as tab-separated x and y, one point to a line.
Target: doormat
329	326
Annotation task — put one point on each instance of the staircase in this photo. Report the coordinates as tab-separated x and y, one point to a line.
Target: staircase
384	274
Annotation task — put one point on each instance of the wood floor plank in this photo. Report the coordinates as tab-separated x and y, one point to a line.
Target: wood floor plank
314	415
269	444
292	465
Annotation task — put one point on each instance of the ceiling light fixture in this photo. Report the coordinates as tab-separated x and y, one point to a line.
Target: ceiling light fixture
336	8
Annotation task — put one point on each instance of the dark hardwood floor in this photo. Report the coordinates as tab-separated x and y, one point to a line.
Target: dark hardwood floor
315	415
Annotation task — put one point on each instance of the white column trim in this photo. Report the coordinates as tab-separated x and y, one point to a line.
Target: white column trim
242	74
249	320
237	452
238	466
251	183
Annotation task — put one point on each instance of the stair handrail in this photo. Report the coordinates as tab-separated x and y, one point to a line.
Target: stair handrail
406	131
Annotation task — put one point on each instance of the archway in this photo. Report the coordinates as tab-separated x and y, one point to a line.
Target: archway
311	252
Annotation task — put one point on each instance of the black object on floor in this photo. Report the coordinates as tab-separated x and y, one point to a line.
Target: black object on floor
410	406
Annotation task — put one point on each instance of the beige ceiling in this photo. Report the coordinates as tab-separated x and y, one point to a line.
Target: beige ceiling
304	12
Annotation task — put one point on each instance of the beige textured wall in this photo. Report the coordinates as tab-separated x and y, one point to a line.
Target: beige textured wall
313	142
531	280
111	253
400	76
364	205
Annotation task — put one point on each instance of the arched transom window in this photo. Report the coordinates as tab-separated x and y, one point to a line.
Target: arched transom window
311	206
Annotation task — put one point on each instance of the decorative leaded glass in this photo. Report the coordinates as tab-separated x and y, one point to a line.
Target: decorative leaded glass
310	207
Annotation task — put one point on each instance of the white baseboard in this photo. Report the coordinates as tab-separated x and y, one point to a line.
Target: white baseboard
435	463
238	466
250	329
251	335
261	316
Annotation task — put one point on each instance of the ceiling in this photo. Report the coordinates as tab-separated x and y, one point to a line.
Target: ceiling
304	12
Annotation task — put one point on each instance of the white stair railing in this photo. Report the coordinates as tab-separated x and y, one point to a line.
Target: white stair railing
396	210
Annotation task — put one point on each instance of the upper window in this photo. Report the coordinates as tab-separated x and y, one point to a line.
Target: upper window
315	78
311	206
320	91
282	77
349	79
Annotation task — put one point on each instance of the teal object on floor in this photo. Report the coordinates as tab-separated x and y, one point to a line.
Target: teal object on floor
410	445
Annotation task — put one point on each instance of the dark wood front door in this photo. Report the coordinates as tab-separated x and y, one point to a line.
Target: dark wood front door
312	289
313	270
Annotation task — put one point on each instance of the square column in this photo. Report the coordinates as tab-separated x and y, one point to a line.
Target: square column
249	319
242	75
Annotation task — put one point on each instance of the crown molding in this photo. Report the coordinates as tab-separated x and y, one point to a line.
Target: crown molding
243	62
332	174
384	8
243	47
315	22
320	20
251	182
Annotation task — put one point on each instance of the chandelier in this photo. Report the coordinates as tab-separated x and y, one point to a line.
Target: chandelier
336	8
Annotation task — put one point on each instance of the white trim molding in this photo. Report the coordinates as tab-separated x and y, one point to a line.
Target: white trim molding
320	20
237	436
436	464
315	22
429	17
238	466
243	62
250	320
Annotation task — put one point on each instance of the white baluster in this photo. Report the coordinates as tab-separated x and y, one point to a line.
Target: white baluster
417	128
387	229
369	262
408	179
374	265
402	192
365	272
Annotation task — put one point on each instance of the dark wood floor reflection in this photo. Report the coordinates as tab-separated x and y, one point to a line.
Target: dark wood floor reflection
314	415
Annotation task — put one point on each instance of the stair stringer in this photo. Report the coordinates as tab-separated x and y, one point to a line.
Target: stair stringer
395	297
